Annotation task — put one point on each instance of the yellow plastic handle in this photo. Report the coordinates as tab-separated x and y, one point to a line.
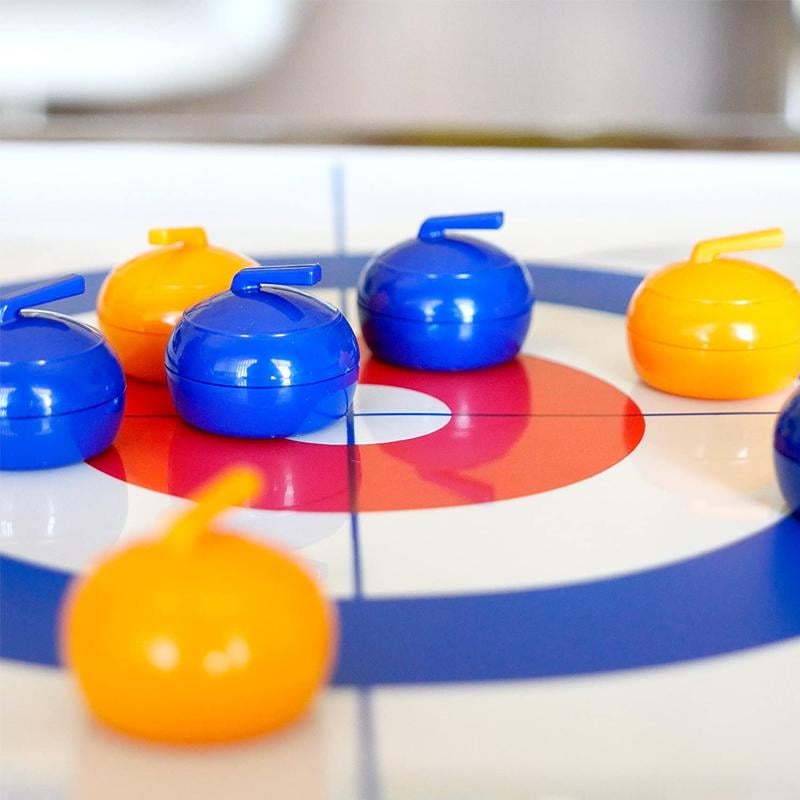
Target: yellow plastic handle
233	487
709	249
188	236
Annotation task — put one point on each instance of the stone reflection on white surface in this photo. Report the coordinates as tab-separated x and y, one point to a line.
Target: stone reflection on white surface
61	517
653	401
721	464
289	764
51	749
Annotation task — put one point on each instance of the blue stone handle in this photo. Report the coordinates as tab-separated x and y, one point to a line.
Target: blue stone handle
250	280
12	304
434	227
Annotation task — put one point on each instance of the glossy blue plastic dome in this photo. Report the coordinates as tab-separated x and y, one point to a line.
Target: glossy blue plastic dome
61	388
787	451
444	302
263	359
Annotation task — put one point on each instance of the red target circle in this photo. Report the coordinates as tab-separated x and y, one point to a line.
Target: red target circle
517	429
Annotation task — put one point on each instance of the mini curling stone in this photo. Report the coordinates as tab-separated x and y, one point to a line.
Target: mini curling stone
442	302
786	444
62	390
142	299
717	328
263	360
199	636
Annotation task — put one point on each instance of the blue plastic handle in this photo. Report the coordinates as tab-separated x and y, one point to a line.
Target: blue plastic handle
251	279
434	227
12	304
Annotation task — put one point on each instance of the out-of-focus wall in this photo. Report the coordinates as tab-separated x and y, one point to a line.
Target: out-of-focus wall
521	64
108	53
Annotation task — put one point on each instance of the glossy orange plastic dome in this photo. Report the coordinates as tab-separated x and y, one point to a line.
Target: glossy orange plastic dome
141	300
717	328
199	636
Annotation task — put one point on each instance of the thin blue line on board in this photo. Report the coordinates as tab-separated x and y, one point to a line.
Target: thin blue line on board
337	201
352	487
368	773
370	785
352	458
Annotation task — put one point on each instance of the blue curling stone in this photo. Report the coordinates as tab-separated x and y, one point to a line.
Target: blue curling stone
62	390
441	302
787	451
263	360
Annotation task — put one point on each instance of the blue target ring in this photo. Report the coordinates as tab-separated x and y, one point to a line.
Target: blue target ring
737	597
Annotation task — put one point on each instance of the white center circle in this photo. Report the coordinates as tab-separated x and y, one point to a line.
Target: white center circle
383	414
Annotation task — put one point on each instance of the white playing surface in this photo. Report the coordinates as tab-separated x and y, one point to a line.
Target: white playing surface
721	727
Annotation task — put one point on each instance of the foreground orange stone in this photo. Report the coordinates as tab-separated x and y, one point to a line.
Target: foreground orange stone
199	636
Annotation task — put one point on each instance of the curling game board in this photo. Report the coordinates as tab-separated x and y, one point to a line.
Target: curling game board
552	581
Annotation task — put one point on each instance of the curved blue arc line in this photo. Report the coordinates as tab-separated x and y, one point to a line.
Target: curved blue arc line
739	597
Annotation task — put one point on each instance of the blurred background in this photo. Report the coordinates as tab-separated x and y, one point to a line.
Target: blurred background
694	73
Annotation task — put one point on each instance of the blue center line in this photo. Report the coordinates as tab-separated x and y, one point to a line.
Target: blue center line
352	482
369	784
337	201
369	781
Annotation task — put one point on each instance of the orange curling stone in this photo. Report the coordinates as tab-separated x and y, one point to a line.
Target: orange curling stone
715	327
141	301
199	636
